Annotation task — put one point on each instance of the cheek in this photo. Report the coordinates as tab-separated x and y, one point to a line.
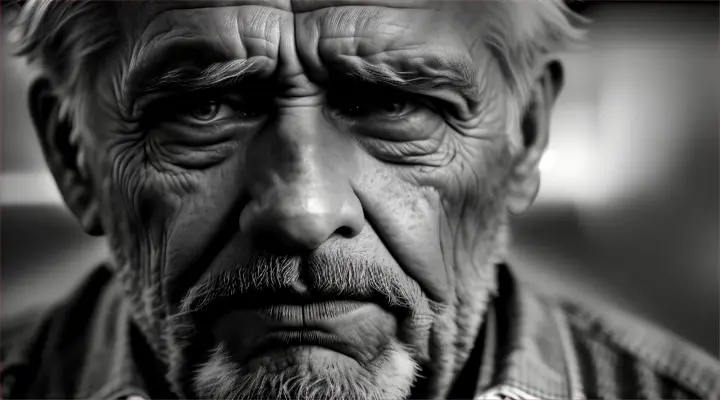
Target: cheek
472	184
432	219
471	191
202	226
405	217
477	180
163	217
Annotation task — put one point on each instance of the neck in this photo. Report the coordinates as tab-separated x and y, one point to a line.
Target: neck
466	382
456	351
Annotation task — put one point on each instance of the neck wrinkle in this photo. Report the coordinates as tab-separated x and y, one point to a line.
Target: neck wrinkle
455	335
469	341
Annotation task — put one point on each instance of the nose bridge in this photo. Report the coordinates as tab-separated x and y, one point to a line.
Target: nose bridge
303	155
307	149
299	171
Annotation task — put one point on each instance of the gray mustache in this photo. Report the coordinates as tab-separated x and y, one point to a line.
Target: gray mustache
267	278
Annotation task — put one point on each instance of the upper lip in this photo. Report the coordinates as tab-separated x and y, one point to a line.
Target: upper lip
272	302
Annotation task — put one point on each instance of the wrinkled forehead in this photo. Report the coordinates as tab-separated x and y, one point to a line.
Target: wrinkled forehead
304	6
439	23
314	38
298	6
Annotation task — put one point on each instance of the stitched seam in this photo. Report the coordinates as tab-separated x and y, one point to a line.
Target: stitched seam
533	391
575	386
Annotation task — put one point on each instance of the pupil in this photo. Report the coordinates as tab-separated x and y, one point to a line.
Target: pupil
356	109
206	110
362	109
391	107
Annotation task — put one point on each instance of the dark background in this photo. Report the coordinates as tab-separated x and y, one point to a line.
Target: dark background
627	216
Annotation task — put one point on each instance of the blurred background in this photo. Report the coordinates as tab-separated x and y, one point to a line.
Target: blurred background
627	215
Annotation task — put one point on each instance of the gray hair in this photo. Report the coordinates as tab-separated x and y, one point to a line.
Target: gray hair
523	34
65	38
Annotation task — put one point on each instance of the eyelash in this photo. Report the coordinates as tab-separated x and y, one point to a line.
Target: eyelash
369	99
171	109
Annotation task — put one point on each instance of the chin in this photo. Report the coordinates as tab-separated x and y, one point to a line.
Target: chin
307	372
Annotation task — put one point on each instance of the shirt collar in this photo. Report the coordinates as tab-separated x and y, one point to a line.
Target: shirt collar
111	370
530	347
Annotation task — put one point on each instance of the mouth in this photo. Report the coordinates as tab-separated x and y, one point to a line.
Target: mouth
293	308
351	328
309	315
283	340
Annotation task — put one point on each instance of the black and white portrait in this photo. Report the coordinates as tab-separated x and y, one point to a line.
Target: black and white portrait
360	199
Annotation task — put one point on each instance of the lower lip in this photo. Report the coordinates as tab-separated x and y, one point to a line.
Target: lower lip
279	340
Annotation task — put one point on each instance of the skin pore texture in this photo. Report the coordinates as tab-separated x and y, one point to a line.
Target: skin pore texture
304	200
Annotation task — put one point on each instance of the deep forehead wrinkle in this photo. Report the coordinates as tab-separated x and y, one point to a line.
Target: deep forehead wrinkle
296	6
184	39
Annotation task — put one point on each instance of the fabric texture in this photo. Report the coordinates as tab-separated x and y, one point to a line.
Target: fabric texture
531	347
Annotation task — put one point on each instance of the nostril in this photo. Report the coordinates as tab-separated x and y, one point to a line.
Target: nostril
346	232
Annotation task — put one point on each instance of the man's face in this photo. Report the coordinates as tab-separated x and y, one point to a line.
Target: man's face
315	189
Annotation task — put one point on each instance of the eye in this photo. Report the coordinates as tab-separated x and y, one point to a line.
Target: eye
385	108
206	111
368	101
212	110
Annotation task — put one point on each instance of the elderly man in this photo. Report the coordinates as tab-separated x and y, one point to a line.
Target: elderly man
309	199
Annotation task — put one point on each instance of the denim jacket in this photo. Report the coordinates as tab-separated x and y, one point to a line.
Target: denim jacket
532	347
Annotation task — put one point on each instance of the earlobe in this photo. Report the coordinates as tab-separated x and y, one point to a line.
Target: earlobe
524	184
61	156
522	194
555	75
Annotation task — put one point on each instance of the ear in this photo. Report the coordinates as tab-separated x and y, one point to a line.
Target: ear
525	177
64	156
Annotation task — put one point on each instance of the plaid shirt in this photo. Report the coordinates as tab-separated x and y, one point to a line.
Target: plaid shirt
532	348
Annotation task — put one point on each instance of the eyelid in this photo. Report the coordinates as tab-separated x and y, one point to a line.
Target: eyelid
187	117
163	108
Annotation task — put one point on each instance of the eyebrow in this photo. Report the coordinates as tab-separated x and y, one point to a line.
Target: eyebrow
424	73
184	65
192	77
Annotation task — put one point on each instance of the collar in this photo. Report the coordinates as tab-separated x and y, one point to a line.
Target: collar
100	334
118	356
528	352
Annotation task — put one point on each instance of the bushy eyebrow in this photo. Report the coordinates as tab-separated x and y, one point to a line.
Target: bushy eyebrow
184	65
423	74
190	77
181	69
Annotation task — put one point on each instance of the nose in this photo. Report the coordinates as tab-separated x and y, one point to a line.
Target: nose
298	173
